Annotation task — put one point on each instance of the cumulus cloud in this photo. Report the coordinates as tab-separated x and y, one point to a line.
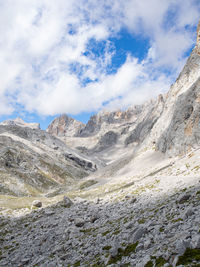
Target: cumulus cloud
47	61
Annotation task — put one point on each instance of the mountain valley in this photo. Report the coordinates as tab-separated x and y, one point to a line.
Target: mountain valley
121	190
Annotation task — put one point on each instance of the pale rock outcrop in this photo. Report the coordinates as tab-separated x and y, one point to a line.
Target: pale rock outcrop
64	126
177	129
21	123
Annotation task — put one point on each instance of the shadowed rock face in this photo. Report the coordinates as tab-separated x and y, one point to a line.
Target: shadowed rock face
33	162
106	132
181	115
95	123
184	129
143	128
108	140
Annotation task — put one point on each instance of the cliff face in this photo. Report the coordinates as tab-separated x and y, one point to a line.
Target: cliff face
178	130
97	121
64	126
170	123
107	134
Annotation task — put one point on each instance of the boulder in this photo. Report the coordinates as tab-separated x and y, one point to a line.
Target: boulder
79	222
184	198
67	203
37	204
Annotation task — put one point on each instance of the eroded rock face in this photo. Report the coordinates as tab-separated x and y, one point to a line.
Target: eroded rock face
197	47
33	162
106	132
177	129
21	123
64	126
96	122
183	132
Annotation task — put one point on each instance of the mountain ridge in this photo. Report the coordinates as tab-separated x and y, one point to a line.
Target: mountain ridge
122	190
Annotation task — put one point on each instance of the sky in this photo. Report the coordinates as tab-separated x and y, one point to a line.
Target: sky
79	57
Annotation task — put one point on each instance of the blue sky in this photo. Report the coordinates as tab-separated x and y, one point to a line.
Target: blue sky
81	57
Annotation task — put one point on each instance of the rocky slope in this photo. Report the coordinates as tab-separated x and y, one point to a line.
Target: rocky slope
20	122
153	222
107	134
33	162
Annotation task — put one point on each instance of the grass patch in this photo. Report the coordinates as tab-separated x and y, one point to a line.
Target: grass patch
189	256
196	168
116	232
87	231
129	249
87	184
76	264
141	221
149	264
105	233
106	248
161	229
177	220
160	262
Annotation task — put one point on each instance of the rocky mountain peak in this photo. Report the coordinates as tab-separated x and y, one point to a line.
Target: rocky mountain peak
64	126
197	47
19	122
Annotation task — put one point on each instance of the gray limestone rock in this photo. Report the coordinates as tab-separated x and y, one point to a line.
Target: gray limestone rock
64	126
184	198
189	212
37	203
181	246
67	202
139	233
79	222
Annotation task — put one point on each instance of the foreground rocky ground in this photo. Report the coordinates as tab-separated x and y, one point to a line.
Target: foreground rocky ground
131	228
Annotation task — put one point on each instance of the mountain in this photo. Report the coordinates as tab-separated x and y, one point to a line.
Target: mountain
178	129
20	122
108	133
64	126
122	190
170	122
34	162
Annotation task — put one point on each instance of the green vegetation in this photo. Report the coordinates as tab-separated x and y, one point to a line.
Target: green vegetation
141	221
196	168
76	264
160	262
87	231
189	256
105	233
87	184
177	220
161	229
123	252
106	248
116	232
149	264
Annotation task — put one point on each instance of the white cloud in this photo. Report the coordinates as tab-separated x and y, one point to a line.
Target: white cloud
42	40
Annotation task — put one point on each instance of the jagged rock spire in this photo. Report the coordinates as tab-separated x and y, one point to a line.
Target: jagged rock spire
197	47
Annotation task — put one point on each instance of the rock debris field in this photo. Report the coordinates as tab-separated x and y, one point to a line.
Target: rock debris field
143	230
